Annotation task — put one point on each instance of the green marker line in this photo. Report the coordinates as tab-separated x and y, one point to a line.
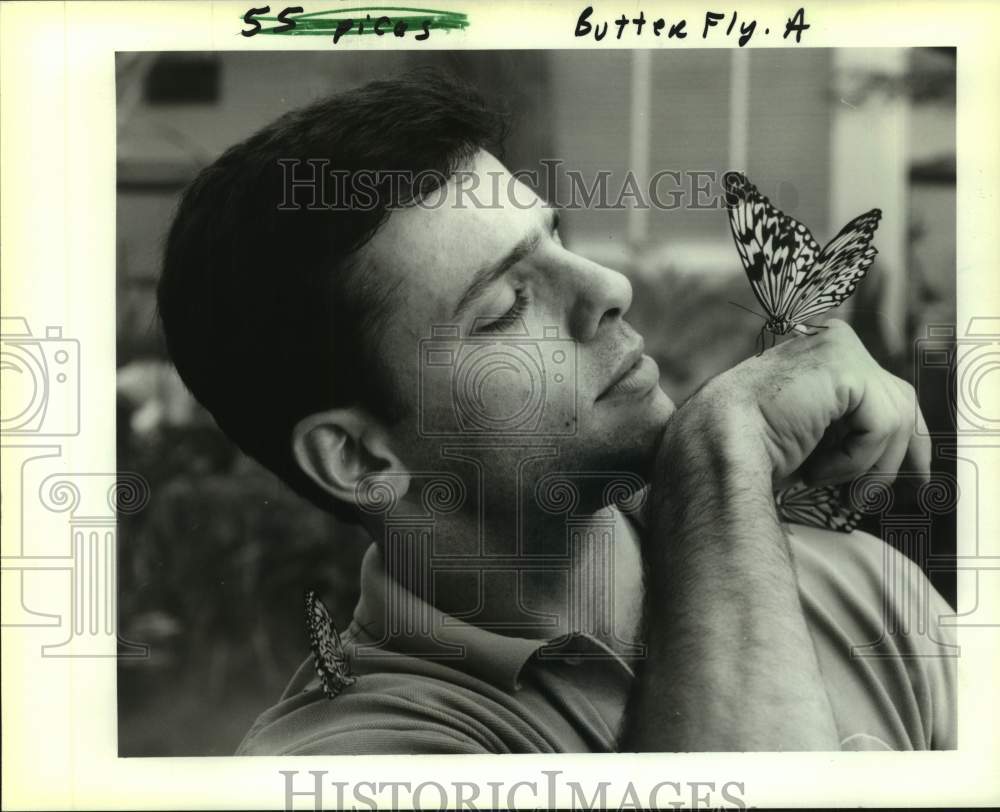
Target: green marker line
367	9
305	26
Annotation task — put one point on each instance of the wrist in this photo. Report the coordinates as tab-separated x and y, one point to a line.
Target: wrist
713	474
715	433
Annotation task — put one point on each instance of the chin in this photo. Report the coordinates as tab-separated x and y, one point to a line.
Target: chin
627	438
648	412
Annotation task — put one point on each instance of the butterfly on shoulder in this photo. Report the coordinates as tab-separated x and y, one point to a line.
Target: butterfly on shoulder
791	276
824	506
331	663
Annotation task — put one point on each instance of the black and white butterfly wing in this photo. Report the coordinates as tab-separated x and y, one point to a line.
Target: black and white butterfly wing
777	250
817	507
791	276
329	657
840	266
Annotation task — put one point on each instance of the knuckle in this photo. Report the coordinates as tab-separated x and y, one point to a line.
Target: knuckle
906	396
839	330
894	423
824	345
839	341
887	422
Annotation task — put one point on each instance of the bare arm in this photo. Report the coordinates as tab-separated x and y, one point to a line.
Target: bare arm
730	662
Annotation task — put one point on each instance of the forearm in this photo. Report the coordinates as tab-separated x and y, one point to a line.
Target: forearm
730	662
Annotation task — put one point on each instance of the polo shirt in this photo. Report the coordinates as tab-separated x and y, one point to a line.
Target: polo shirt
459	688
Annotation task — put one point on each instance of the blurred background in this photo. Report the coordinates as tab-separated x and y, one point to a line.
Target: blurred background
212	571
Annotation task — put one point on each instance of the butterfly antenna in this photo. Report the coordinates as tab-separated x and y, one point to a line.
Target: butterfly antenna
748	310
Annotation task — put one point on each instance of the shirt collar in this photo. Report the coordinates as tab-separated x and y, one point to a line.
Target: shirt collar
394	619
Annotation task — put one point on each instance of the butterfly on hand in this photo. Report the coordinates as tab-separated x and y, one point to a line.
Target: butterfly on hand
329	657
791	276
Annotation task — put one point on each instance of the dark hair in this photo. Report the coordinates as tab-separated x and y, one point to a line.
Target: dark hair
265	313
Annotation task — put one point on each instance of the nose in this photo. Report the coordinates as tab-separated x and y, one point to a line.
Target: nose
599	294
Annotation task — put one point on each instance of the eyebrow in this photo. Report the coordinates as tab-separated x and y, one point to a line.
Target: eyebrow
486	276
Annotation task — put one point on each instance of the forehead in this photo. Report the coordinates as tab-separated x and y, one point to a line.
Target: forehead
431	250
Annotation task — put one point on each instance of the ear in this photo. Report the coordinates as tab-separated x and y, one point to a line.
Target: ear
339	448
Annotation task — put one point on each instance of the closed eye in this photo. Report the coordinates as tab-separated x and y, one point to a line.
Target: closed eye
508	319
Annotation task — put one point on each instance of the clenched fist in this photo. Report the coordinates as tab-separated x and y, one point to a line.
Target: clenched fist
817	409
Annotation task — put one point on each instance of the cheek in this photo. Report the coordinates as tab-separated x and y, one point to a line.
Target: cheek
492	391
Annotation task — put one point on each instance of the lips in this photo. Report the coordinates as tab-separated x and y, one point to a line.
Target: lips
631	360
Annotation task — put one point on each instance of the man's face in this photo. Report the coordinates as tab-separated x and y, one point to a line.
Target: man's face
500	335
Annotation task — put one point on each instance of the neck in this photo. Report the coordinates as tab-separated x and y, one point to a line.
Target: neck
557	577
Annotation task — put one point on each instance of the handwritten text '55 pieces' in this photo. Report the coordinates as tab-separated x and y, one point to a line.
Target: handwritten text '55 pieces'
400	21
716	24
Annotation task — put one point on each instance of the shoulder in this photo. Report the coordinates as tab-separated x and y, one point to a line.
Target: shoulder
854	562
870	585
876	621
404	705
859	566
